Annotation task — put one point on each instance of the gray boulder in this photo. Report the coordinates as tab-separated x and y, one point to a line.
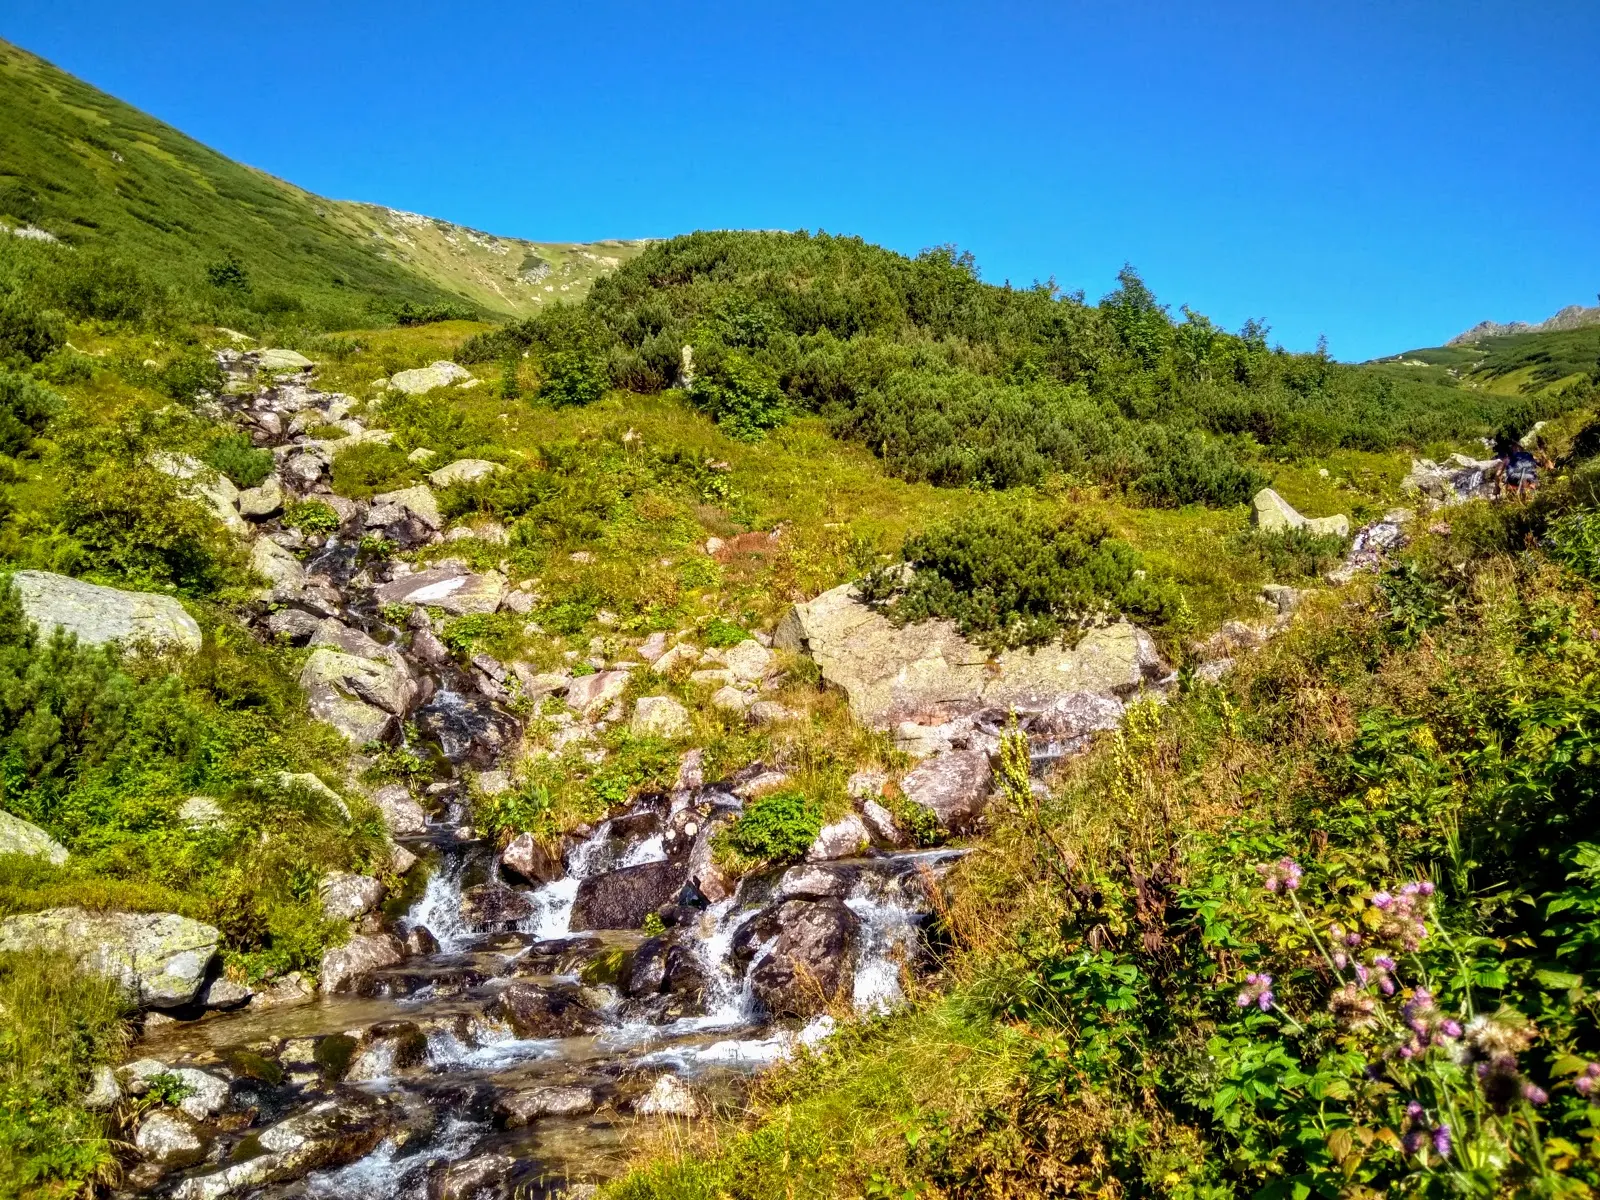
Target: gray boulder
170	1139
954	786
263	501
662	717
447	587
529	1104
346	895
528	859
345	966
464	470
893	674
23	837
813	960
623	899
425	379
359	697
286	578
418	501
281	360
401	813
1272	513
591	694
98	615
161	958
844	838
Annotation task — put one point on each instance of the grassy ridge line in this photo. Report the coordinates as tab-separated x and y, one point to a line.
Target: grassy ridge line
97	172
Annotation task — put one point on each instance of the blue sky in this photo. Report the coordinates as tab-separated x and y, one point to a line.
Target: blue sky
1384	173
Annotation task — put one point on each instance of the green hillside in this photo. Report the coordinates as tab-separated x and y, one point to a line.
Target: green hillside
105	178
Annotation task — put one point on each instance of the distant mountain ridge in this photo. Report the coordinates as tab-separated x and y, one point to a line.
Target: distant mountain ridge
1574	316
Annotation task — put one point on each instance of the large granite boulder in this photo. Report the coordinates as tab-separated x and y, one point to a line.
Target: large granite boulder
464	470
425	379
592	694
813	960
1273	514
345	966
101	614
285	577
623	899
954	786
662	717
1456	479
536	1012
401	812
23	837
346	895
894	674
448	587
418	501
360	697
160	957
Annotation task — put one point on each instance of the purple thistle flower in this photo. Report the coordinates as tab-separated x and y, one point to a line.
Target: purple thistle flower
1264	1001
1441	1141
1387	986
1413	1110
1426	889
1382	901
1352	939
1451	1029
1383	962
1339	959
1413	1141
1534	1094
1583	1085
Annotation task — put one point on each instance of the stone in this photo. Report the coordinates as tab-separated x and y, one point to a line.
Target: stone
710	878
494	905
263	501
954	786
680	655
747	661
536	1012
447	587
421	455
223	993
881	825
420	940
401	860
286	578
464	470
653	647
893	674
98	615
328	1134
1458	478
344	966
337	635
481	1177
202	812
623	899
844	838
23	837
712	677
104	1092
346	895
293	625
208	1095
292	988
669	1096
866	785
426	379
539	683
760	783
333	447
730	699
306	781
530	860
281	360
769	712
161	958
527	1105
170	1139
357	696
590	694
662	717
205	484
419	501
401	812
812	961
1272	513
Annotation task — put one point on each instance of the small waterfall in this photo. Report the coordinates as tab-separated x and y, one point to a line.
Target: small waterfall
438	909
889	934
398	1168
552	903
729	998
652	849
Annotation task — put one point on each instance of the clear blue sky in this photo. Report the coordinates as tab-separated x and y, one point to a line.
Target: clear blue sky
1387	173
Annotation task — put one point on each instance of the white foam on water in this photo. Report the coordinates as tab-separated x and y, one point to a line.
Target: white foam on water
496	1048
729	998
888	940
397	1169
651	850
552	910
439	907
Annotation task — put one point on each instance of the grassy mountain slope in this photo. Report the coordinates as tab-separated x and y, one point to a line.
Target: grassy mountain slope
97	173
1536	363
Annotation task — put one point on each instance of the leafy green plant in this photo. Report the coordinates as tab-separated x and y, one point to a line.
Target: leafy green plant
311	517
191	373
235	456
777	827
26	408
719	633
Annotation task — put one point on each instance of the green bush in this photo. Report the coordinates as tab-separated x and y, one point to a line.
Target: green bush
1017	575
311	517
362	471
741	394
778	827
27	333
234	455
191	373
25	409
1573	541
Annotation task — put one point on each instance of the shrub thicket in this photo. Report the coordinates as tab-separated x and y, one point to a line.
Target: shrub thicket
960	382
1016	575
